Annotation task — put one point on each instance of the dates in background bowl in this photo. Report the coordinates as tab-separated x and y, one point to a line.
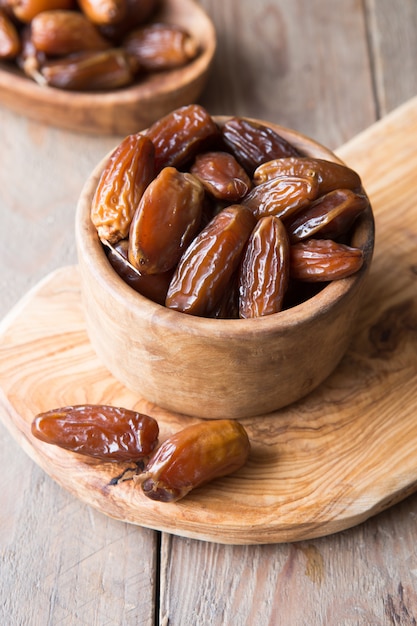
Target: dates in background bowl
238	367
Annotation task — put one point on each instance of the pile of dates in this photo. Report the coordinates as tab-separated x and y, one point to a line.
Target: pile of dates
167	472
91	44
225	220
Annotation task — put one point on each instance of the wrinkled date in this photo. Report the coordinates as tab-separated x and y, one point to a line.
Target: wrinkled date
231	214
253	143
319	260
264	273
90	45
165	221
126	175
210	261
103	432
193	457
181	134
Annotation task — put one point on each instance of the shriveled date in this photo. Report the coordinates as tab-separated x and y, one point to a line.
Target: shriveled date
328	174
321	260
253	143
195	456
104	432
222	176
181	134
125	176
264	273
208	264
165	221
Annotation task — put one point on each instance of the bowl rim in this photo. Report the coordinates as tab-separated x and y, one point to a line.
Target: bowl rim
90	248
24	95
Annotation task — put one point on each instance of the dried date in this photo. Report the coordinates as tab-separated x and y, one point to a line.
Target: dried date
178	136
9	37
222	176
282	196
159	47
253	143
264	273
63	32
166	220
210	261
322	260
330	175
89	70
125	176
103	432
329	216
193	457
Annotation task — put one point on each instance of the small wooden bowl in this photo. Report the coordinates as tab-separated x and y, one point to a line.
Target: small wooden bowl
119	111
212	368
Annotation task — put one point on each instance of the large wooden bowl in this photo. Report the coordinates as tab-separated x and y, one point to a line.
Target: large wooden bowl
213	368
120	111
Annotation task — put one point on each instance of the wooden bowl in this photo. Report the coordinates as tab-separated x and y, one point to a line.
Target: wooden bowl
213	368
119	111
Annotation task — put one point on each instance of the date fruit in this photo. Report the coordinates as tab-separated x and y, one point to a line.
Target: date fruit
9	37
328	217
103	432
253	143
193	457
329	175
26	10
89	71
160	47
178	136
264	273
165	222
210	261
126	175
282	196
322	260
104	12
63	32
222	176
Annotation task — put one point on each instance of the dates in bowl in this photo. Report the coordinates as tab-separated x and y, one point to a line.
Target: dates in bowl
222	262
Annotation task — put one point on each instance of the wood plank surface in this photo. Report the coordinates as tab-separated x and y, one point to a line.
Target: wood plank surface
361	577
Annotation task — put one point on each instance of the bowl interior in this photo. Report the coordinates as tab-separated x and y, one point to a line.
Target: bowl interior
119	111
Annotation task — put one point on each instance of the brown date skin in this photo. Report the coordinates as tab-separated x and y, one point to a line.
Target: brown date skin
328	217
90	70
126	174
210	261
323	260
282	197
193	457
222	176
253	143
104	11
158	47
264	273
25	10
152	286
64	32
179	135
165	222
9	37
102	432
329	175
137	13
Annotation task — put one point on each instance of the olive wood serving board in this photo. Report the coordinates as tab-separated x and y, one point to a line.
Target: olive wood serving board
324	464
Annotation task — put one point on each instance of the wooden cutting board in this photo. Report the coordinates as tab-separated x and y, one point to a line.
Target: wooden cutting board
329	462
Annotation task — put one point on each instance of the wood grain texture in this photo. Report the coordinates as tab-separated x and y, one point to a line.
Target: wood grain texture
353	437
359	577
121	111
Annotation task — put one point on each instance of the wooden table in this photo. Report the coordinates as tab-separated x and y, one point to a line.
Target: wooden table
328	68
